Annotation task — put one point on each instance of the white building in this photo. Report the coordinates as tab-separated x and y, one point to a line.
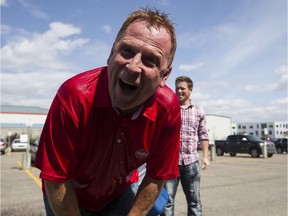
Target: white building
273	130
21	119
219	127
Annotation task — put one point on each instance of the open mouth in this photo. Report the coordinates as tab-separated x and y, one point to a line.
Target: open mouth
127	86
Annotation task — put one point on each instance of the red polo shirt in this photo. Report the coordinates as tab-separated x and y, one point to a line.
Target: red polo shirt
85	140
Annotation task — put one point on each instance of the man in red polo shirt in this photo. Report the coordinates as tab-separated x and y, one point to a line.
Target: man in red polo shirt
105	123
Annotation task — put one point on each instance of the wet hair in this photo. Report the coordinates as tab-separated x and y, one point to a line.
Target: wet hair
185	79
156	19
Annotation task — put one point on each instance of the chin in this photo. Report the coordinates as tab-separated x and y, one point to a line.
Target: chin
120	104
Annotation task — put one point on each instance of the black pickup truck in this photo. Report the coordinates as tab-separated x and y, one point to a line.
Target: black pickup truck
248	144
281	145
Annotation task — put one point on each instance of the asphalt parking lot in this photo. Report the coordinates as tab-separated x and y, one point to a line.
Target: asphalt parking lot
231	186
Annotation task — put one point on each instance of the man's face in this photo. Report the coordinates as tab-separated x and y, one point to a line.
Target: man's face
183	93
137	65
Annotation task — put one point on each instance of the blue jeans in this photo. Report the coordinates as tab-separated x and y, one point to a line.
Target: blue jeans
119	206
189	175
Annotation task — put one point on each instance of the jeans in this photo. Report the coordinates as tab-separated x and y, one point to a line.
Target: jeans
189	175
118	207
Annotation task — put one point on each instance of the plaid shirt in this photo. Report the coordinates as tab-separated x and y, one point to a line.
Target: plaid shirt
193	128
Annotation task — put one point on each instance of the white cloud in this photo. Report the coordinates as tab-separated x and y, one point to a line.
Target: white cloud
229	46
192	67
4	3
41	50
199	96
107	28
280	101
244	111
34	88
281	85
33	9
226	31
251	43
34	66
283	69
5	29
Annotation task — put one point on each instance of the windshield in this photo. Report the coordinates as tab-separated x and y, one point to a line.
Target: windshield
254	138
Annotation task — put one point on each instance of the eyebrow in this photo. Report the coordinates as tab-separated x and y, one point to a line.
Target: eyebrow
124	43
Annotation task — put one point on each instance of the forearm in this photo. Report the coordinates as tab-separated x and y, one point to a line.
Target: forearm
205	148
62	198
148	192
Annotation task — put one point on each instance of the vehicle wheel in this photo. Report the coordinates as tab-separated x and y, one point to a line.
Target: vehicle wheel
270	155
279	150
219	151
233	154
254	153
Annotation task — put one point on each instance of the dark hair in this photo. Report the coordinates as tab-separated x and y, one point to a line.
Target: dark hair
185	79
156	19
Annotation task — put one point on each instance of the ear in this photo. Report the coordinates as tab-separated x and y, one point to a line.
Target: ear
166	74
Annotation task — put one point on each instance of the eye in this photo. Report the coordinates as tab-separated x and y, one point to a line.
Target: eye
150	61
126	51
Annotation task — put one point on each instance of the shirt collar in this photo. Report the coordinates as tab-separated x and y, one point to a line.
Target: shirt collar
187	107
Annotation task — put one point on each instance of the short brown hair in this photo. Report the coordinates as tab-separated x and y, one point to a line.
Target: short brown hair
185	79
155	18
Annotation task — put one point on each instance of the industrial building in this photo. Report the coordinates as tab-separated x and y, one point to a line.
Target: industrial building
22	120
218	127
265	130
31	119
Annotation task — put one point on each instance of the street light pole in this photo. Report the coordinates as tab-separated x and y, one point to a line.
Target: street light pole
28	154
9	143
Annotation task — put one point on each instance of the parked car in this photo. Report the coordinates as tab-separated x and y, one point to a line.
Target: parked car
248	144
34	149
17	145
281	145
3	146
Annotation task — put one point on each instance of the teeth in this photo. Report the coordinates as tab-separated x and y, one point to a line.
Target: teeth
127	83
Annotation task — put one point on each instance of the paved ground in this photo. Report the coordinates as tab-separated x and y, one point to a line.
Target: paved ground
242	186
21	193
232	186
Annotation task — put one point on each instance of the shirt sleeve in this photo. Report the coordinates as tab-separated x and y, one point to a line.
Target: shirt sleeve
202	129
56	156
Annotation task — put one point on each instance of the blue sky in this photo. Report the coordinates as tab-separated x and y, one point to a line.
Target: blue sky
235	51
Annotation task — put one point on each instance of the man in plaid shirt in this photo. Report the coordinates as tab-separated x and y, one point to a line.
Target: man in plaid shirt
193	130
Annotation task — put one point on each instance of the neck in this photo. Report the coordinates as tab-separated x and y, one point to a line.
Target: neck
127	112
185	103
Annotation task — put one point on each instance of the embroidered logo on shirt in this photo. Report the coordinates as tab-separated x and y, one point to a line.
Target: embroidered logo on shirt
142	153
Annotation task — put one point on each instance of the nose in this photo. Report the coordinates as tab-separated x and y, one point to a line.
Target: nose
135	64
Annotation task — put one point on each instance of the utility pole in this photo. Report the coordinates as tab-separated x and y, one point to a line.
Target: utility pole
28	154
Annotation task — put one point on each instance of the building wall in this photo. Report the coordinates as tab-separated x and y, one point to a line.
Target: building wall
21	120
219	127
264	130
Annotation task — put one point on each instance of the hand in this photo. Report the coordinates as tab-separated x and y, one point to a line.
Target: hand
205	163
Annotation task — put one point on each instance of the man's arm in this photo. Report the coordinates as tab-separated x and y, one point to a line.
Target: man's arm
205	150
62	198
147	194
